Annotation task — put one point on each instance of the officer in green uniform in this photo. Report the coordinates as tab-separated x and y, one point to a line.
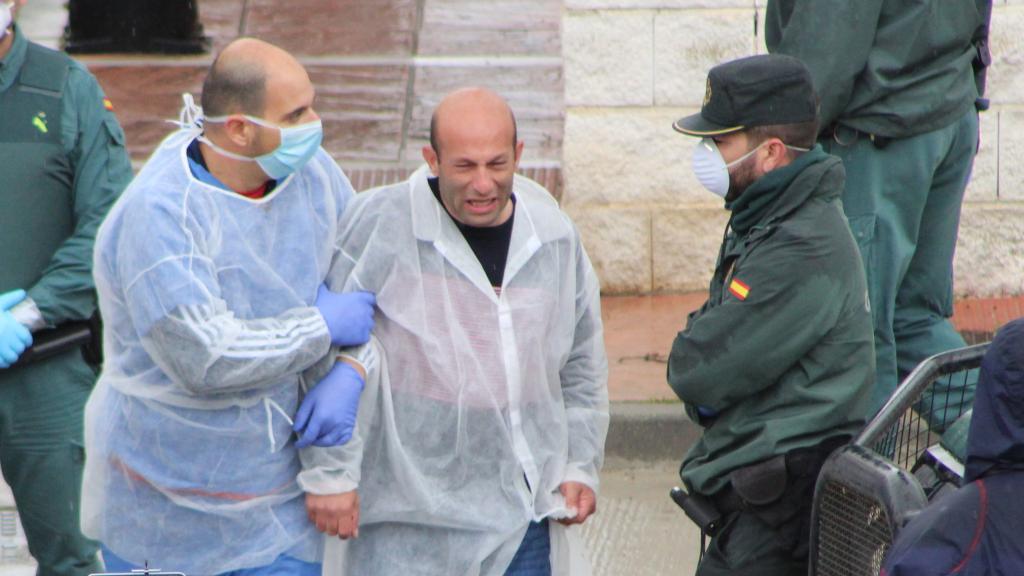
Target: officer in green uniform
63	163
777	366
900	84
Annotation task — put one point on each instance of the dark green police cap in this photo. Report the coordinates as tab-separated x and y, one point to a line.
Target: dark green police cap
755	91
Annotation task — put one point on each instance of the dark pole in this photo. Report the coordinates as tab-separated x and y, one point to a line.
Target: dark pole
147	26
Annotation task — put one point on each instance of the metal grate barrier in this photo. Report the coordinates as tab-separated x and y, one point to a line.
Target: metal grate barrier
868	490
855	532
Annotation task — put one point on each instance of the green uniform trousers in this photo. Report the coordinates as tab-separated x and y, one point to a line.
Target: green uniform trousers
771	539
747	546
41	454
903	203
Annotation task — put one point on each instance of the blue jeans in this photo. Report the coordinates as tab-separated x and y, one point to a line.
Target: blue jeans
282	566
534	555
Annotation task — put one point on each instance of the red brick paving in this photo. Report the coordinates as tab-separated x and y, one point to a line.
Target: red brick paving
986	314
639	331
379	66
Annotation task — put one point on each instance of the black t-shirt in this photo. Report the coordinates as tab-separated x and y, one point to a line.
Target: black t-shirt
489	243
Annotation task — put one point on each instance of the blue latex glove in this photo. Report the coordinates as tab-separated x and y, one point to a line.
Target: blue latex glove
349	316
327	414
14	337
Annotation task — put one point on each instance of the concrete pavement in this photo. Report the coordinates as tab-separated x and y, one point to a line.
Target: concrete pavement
638	530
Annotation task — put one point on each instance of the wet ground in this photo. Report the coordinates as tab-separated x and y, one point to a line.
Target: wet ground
638	529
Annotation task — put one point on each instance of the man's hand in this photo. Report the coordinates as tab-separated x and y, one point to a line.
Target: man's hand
14	337
327	415
349	316
335	514
580	497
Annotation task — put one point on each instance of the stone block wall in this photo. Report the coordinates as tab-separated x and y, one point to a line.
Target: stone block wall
631	67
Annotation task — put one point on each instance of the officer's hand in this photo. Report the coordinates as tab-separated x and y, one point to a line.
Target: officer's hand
14	337
578	497
349	316
327	415
335	514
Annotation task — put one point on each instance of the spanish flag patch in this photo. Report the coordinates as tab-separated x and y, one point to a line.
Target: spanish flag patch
739	289
108	104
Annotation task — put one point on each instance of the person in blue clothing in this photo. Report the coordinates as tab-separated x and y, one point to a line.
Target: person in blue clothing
979	529
219	330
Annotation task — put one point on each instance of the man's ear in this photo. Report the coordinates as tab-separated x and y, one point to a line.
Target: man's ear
778	155
238	131
430	156
519	152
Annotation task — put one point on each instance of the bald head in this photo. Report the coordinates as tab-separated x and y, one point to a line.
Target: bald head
237	82
471	109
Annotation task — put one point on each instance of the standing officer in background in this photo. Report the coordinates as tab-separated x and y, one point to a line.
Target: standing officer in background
63	163
900	84
777	365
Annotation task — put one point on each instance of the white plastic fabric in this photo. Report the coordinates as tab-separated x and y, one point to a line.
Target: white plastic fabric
207	298
484	403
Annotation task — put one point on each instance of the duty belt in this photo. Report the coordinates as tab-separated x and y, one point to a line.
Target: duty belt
846	136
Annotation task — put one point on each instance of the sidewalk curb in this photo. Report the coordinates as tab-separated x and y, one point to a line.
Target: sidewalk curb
641	432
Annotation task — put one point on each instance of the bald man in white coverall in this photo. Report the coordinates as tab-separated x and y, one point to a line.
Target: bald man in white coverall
481	435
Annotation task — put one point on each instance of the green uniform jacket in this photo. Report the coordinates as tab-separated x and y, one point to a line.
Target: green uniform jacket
70	197
894	68
782	350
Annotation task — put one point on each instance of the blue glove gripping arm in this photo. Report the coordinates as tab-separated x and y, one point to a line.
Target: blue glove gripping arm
326	416
337	469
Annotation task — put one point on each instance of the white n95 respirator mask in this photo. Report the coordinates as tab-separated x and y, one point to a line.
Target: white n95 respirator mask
6	17
711	169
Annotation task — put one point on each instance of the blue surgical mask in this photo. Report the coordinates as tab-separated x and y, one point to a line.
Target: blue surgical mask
298	145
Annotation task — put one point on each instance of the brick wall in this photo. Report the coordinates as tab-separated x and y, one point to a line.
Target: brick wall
634	66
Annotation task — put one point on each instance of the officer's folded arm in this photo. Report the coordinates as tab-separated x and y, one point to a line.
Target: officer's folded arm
741	347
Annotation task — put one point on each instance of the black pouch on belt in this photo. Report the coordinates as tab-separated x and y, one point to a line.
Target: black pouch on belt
762	483
760	486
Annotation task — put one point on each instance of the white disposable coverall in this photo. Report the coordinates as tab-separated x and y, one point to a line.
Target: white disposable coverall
484	402
207	298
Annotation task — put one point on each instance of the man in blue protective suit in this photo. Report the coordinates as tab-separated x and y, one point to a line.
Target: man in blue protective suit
978	529
62	165
210	275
